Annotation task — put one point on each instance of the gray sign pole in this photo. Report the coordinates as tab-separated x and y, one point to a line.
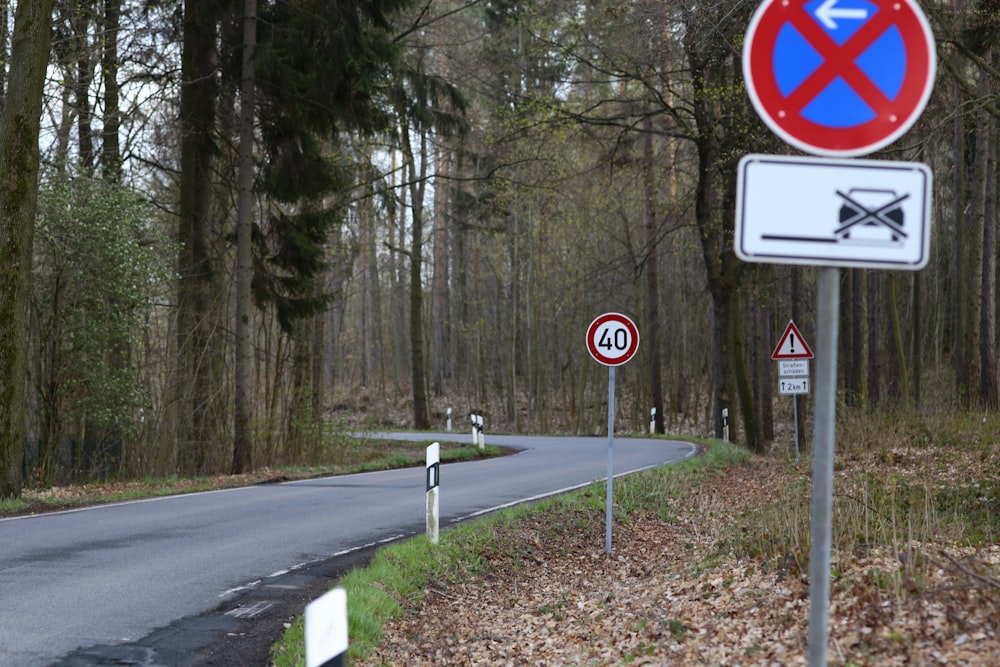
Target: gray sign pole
828	316
611	458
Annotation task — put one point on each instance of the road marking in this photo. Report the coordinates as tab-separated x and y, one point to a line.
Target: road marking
253	611
488	510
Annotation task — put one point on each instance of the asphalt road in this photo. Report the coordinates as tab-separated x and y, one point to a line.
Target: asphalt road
93	586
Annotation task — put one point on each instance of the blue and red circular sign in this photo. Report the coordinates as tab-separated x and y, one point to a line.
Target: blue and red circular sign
839	78
612	339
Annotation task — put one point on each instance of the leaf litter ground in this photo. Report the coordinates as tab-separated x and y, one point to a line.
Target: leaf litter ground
686	585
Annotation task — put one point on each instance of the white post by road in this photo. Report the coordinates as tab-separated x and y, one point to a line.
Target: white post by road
475	429
652	421
433	483
326	630
449	419
481	439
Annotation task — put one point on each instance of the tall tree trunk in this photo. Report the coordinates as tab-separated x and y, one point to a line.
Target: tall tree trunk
652	248
4	46
855	380
20	120
960	273
989	391
80	21
876	348
196	280
440	320
243	425
421	417
901	374
111	159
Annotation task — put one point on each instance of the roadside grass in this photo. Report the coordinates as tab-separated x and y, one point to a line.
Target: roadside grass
349	455
905	484
401	574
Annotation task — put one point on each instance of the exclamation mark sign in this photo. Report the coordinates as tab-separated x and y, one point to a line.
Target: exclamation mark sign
791	338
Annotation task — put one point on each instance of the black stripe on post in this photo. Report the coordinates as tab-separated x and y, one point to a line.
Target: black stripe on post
433	476
336	661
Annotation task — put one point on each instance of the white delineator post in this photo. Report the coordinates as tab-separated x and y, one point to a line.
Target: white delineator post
725	424
652	421
449	420
481	438
475	429
433	483
326	630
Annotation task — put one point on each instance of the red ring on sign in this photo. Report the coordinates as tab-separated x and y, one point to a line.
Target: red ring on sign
784	114
625	321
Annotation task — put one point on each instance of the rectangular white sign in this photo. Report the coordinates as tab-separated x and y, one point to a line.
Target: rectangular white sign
793	368
826	212
793	385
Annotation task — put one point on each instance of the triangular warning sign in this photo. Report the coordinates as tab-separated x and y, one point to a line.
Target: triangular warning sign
792	345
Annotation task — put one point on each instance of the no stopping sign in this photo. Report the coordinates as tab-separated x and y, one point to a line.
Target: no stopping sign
612	339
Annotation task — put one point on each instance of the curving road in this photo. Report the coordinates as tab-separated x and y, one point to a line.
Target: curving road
112	576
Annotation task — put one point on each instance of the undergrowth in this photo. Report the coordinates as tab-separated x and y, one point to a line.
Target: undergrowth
902	482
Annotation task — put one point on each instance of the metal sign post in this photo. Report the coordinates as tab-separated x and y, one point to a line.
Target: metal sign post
828	315
612	340
609	495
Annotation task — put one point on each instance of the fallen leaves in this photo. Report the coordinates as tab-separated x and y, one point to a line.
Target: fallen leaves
668	595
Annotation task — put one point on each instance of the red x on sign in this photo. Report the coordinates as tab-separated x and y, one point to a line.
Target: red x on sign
839	77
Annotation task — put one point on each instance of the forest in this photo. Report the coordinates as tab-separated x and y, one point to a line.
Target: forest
228	224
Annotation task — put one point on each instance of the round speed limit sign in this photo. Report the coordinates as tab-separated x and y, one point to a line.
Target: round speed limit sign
612	339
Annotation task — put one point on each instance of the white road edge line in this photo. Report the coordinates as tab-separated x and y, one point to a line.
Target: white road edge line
488	510
254	584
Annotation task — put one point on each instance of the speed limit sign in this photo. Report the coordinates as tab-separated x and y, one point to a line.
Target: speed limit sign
612	339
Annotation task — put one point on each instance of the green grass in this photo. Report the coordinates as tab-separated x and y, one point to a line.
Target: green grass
12	505
399	574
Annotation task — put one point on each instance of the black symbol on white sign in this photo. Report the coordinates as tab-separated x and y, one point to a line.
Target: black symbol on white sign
866	218
871	217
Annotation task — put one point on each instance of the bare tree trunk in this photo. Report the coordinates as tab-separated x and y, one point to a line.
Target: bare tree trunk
421	418
876	353
80	21
440	320
196	281
652	248
855	379
989	391
111	159
20	120
901	374
4	46
243	425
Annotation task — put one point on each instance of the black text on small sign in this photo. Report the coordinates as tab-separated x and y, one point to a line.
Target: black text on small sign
792	345
612	339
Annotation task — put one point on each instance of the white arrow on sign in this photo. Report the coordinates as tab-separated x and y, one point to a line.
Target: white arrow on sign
828	13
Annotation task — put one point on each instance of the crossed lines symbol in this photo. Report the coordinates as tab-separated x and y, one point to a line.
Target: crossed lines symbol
838	60
864	215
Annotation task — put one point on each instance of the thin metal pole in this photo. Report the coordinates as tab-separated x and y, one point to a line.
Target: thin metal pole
795	409
611	466
828	316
